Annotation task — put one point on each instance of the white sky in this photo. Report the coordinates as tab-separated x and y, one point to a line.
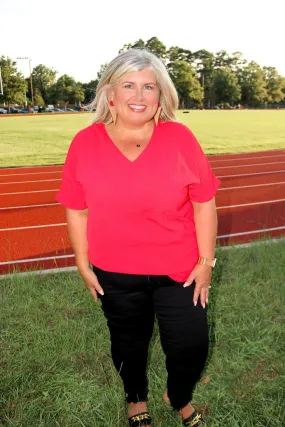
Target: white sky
76	37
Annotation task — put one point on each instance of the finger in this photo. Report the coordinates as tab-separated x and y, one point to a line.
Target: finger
99	289
94	288
94	293
196	294
203	296
92	282
207	297
189	281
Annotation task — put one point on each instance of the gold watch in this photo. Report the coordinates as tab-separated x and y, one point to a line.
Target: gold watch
206	261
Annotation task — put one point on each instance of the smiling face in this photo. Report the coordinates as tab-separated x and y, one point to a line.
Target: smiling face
136	97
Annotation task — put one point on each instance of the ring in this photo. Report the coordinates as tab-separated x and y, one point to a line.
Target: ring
209	287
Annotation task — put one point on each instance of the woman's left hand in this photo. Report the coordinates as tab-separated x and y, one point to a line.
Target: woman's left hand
202	276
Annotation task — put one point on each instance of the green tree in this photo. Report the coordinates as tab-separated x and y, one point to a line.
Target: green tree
154	45
138	44
283	85
188	87
274	85
176	53
14	85
67	90
43	78
253	85
225	87
90	90
101	71
38	99
237	61
204	63
222	59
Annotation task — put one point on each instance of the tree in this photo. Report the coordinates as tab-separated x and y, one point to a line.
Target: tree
138	44
14	85
237	61
225	86
101	71
204	63
67	90
222	59
283	85
43	78
253	85
154	45
38	99
176	53
90	90
274	85
188	87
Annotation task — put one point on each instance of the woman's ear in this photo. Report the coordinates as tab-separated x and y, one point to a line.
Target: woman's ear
113	111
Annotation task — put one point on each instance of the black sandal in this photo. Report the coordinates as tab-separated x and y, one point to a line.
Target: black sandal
138	420
193	420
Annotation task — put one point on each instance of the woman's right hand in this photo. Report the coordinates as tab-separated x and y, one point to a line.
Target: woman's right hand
91	282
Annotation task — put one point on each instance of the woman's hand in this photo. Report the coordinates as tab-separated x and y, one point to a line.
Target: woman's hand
91	282
202	276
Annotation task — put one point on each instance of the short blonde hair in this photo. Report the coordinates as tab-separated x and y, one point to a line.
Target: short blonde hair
127	62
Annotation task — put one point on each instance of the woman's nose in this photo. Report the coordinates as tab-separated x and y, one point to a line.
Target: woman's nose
139	95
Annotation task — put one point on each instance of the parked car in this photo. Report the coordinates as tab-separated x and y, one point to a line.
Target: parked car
70	110
57	110
14	110
26	111
3	111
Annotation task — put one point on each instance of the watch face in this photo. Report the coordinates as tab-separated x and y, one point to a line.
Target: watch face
214	262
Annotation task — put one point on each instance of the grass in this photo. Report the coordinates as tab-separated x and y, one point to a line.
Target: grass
43	140
56	368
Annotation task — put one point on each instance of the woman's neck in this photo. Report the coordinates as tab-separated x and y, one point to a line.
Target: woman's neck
128	127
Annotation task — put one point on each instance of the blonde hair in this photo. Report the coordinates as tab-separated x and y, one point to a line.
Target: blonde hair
127	62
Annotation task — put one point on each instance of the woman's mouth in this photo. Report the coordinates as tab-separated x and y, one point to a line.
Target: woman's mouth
137	108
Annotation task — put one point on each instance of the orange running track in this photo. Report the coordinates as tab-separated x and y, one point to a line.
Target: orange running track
33	232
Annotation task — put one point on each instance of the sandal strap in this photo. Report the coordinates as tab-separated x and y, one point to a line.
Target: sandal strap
142	419
193	420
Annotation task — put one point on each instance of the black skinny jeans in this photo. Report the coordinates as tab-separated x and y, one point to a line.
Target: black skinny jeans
130	303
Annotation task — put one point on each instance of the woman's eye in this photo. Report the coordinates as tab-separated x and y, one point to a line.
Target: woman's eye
149	87
128	86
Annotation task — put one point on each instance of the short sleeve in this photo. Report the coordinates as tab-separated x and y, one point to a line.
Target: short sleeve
71	194
206	186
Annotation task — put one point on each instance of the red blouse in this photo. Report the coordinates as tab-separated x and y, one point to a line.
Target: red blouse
140	215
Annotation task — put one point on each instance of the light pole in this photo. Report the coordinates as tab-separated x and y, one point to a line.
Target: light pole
31	78
1	84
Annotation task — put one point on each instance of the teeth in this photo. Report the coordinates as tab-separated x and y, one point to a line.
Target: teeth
138	107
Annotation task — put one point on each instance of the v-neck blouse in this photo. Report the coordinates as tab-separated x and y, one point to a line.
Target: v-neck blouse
140	215
108	138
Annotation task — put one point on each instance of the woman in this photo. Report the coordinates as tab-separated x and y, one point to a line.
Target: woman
141	217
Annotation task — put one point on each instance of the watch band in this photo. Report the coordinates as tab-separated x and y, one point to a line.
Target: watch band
206	261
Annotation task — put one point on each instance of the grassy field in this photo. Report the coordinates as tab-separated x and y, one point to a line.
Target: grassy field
42	140
56	369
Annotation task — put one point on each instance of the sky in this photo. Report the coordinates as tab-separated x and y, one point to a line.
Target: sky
76	37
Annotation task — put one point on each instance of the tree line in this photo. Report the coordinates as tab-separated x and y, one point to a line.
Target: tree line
203	80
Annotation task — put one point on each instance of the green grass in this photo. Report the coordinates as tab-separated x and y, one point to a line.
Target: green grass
56	368
43	140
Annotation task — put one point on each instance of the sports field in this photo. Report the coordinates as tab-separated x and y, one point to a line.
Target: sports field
43	140
55	354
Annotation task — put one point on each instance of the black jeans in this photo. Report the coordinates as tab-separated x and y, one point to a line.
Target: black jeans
130	303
